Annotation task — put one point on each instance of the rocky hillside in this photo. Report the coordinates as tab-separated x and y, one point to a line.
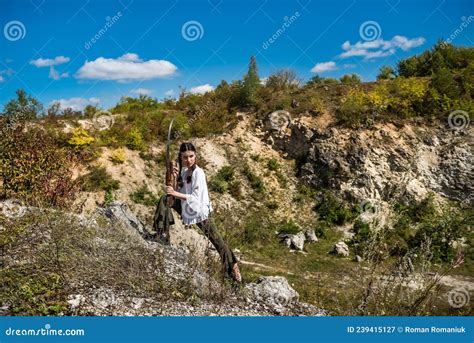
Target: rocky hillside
339	197
369	168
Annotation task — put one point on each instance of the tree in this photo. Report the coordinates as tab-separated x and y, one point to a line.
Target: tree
386	73
315	80
54	110
282	80
352	78
251	83
24	107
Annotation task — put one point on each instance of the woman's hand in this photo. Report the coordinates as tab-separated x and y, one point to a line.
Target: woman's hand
170	190
175	171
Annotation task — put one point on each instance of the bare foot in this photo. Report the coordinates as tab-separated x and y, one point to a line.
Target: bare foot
236	273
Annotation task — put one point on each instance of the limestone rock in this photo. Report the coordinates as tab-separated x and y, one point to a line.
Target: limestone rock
341	249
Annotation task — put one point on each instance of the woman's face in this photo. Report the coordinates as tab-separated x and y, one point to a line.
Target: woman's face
188	158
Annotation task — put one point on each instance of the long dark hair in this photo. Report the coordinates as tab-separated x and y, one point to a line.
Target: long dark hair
186	146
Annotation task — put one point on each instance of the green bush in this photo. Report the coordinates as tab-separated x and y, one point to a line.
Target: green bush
256	181
224	181
332	210
98	179
288	227
350	79
144	196
273	164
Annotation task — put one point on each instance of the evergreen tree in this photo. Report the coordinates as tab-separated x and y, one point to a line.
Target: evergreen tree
251	83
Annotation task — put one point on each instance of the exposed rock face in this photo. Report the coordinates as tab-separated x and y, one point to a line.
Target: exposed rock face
385	162
120	213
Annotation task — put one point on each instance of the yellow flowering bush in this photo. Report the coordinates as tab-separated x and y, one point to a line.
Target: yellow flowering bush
80	137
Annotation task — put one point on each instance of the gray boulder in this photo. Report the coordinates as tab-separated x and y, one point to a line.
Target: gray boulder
273	291
311	235
341	249
294	241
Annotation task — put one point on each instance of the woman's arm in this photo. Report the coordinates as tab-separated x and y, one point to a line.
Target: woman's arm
172	192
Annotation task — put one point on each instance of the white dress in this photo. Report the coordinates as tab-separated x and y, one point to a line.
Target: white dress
197	205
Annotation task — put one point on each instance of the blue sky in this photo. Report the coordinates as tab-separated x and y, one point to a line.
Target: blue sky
85	51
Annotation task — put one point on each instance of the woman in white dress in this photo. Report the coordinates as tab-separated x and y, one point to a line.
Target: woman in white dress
196	206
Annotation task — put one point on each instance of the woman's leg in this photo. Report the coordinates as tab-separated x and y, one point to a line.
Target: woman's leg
227	256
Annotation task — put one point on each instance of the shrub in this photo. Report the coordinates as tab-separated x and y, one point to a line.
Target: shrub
80	137
99	179
386	73
135	139
354	110
288	227
332	210
350	79
273	164
224	181
34	168
134	105
255	181
117	156
144	196
406	95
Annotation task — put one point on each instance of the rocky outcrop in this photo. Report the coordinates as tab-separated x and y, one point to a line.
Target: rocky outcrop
267	296
385	162
275	293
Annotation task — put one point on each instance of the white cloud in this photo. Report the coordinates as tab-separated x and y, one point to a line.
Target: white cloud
263	81
201	89
48	62
323	67
141	91
128	67
76	104
54	74
170	92
379	47
51	62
